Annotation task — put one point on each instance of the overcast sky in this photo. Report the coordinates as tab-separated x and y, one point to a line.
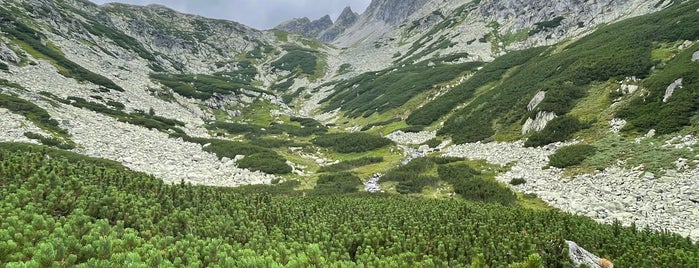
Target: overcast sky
260	14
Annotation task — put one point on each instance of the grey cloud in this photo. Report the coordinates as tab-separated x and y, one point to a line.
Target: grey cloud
260	14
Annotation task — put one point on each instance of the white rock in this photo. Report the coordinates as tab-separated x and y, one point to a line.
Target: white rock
671	89
538	98
538	124
616	124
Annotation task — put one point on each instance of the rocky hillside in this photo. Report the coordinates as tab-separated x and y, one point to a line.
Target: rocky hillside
590	107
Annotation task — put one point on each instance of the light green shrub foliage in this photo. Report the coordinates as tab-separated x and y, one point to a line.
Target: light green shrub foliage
98	215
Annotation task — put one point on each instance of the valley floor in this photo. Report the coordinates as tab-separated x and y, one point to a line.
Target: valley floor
666	202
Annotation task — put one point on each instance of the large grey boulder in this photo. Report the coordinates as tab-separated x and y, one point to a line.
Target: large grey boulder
579	256
695	56
539	123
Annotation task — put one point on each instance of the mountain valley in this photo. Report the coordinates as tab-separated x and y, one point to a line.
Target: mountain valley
580	107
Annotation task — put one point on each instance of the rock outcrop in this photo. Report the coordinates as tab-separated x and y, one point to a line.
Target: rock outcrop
671	89
7	55
580	256
695	56
616	124
538	98
539	123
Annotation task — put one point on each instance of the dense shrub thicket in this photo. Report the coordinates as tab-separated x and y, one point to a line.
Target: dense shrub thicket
491	72
468	184
351	142
571	155
270	163
85	212
650	112
433	143
412	177
303	59
559	129
377	92
202	86
308	127
338	183
466	181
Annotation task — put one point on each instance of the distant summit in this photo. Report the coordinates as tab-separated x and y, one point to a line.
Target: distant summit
323	29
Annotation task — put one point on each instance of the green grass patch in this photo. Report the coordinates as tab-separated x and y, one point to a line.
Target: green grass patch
649	153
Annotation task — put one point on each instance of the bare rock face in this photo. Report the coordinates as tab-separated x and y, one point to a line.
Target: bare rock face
671	89
393	12
538	98
346	19
695	56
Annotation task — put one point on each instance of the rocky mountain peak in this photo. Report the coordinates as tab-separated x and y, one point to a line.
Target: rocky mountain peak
295	25
347	17
306	27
